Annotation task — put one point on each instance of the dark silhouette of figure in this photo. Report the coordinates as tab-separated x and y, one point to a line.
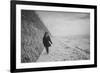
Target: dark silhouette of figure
47	41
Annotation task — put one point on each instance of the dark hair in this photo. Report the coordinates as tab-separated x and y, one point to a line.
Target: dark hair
46	33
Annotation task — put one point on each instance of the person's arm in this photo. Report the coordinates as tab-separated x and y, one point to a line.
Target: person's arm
50	40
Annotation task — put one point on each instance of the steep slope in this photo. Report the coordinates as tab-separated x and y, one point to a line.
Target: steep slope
32	31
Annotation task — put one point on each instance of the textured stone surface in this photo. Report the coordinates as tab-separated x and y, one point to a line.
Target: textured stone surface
32	31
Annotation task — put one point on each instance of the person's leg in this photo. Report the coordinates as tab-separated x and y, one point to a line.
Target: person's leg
47	49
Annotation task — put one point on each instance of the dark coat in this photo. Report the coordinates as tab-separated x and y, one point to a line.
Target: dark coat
47	41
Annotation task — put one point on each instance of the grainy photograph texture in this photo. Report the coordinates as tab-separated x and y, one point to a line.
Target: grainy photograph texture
48	36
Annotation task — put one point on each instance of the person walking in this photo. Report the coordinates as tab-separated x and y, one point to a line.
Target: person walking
47	41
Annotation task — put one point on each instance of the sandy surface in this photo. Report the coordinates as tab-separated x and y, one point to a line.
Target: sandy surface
65	49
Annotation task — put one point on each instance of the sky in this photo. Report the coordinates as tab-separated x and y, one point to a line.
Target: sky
66	23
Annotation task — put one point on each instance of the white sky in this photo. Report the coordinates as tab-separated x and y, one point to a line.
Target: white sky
66	23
